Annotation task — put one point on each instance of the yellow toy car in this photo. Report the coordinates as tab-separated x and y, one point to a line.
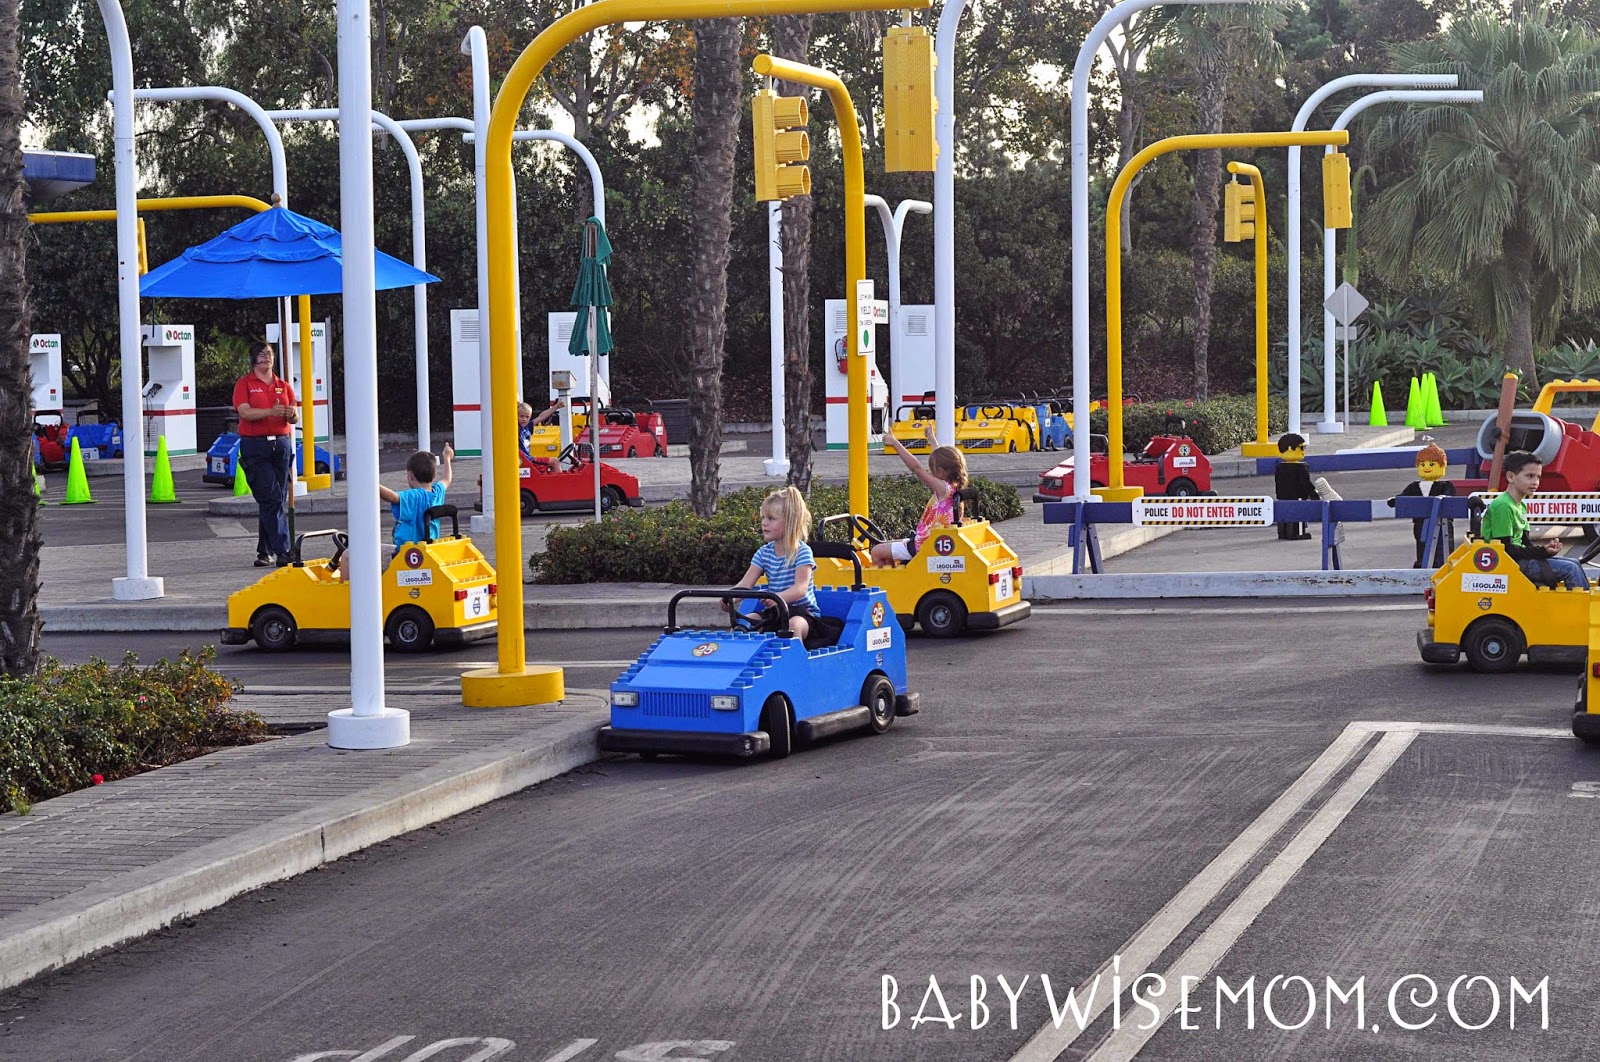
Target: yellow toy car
1481	604
997	428
440	591
963	578
911	423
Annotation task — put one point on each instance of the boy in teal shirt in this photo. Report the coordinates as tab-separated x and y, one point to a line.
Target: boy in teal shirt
1506	519
425	487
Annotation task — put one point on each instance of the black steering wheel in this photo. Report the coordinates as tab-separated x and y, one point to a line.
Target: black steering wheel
1590	552
992	412
863	528
569	453
341	542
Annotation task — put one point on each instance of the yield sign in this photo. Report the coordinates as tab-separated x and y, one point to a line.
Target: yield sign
1345	304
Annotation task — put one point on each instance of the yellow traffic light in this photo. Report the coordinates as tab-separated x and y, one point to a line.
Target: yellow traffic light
1336	213
909	105
781	146
1239	212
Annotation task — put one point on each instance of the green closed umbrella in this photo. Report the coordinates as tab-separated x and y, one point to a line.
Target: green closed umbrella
591	332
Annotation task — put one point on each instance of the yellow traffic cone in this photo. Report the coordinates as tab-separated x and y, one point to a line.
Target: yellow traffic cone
1435	414
161	490
241	486
1377	418
1414	414
77	478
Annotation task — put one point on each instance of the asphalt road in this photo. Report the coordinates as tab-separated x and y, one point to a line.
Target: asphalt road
1177	787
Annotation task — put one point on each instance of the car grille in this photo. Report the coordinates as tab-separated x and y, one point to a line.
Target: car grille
676	705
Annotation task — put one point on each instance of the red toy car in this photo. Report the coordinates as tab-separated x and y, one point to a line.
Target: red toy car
625	433
52	440
568	484
1169	466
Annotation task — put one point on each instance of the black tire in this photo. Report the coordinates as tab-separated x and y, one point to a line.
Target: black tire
1585	727
1011	447
410	629
775	721
877	693
1182	487
610	498
322	468
1493	645
941	614
530	504
273	629
661	451
633	451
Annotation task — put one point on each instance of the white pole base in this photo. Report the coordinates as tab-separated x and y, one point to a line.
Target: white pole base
131	589
776	466
388	729
300	488
1329	427
482	524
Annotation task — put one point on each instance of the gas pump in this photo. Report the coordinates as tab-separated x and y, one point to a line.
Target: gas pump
44	361
838	381
561	382
168	398
913	347
465	398
321	391
560	334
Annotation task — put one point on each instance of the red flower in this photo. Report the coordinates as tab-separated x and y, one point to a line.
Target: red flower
99	779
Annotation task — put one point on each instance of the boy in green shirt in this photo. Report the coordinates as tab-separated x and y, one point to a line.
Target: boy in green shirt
1506	519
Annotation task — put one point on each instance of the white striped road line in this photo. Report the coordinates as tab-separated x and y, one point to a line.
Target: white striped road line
1146	946
1202	956
572	1050
222	528
1135	957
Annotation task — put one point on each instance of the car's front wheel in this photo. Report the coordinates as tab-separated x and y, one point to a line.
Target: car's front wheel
775	721
273	629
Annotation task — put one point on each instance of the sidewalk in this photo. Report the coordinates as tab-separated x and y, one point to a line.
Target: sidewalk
202	572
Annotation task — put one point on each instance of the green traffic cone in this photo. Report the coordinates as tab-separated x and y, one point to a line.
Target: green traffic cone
1377	417
1414	414
241	486
77	478
161	489
38	485
1435	414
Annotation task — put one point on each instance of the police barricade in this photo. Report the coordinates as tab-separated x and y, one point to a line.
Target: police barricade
1082	518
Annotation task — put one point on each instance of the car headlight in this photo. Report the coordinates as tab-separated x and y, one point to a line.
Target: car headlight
624	699
725	703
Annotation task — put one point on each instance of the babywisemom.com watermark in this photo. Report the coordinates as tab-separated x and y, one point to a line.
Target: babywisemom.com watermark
1409	1003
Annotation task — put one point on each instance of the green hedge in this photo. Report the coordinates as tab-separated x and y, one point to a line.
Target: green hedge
670	544
71	722
1216	424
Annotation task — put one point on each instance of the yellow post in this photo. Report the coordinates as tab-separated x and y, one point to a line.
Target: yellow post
1260	447
512	681
855	251
1118	490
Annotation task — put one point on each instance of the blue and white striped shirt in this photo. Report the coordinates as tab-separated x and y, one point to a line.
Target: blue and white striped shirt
780	576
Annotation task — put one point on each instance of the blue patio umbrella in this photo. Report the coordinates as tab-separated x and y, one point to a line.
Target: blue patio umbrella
274	254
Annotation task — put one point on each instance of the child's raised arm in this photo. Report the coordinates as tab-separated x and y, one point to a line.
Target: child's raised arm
388	494
449	455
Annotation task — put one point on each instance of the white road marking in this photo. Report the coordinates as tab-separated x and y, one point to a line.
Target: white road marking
1146	946
1203	955
224	528
572	1050
1482	729
1189	610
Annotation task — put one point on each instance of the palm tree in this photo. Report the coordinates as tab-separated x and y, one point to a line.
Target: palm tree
1503	195
19	517
791	39
716	111
1212	41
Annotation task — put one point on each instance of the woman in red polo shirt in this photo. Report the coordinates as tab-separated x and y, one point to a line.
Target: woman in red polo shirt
266	406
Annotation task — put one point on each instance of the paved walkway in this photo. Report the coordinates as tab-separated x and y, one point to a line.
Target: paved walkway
108	864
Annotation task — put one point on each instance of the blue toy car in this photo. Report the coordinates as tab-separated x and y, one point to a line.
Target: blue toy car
97	442
746	692
224	456
1054	432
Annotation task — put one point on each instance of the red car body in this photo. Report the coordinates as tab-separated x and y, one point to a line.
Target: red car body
625	433
1168	466
560	486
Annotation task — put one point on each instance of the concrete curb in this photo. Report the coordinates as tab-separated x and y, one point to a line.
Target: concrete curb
132	905
1370	582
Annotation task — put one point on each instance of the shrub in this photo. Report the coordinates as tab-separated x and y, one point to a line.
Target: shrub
670	544
71	722
1216	424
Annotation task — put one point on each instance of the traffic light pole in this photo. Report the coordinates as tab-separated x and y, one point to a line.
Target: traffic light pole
511	681
1117	488
1260	447
855	250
